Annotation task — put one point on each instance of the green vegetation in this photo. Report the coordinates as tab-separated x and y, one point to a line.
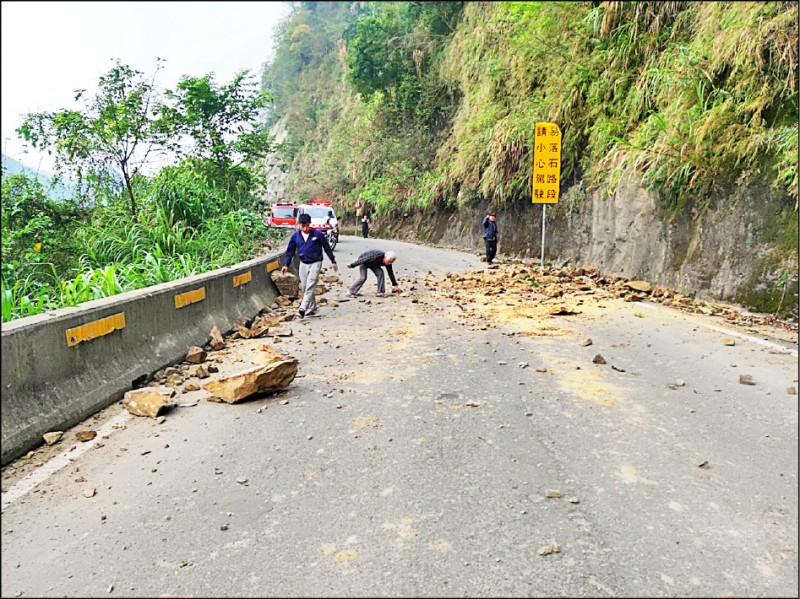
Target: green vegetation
424	104
125	230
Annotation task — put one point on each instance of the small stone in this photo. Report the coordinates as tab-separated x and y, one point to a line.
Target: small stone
241	480
89	493
573	499
161	420
791	390
746	379
729	341
551	548
552	493
53	437
224	527
586	343
598	359
85	436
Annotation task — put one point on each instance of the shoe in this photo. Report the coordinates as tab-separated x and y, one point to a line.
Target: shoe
302	313
381	295
348	294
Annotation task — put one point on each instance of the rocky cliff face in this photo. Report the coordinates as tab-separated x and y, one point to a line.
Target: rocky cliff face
733	247
275	176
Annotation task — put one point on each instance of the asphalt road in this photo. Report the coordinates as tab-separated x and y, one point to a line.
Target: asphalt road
414	452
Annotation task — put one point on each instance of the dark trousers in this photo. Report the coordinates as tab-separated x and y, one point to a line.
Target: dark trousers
491	249
364	229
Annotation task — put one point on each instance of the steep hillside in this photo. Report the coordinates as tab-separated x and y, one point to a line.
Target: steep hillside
680	124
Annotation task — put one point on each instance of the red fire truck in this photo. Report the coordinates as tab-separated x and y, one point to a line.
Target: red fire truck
282	215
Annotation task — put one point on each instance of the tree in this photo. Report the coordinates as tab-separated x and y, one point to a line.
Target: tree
113	136
222	121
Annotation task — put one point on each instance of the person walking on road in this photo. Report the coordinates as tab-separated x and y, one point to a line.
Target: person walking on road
365	226
309	244
374	260
490	235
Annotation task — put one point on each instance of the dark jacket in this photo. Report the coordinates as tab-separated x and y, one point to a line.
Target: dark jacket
309	251
490	230
374	259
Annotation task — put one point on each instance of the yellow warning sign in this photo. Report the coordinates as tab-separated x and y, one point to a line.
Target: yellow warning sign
242	279
190	297
97	328
546	163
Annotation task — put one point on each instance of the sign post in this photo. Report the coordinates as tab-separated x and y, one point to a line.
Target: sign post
545	182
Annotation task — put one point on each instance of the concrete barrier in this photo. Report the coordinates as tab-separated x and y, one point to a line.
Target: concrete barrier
60	367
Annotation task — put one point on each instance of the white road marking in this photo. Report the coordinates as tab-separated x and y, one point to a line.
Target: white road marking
792	352
38	476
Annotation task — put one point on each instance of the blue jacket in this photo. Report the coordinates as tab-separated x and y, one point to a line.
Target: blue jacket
308	251
489	229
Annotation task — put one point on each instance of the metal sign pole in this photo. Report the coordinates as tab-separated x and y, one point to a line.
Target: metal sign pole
544	211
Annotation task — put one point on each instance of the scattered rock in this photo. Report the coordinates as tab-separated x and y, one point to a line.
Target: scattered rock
472	404
196	355
585	343
200	372
267	354
676	383
704	465
90	492
84	436
148	401
598	359
791	390
551	548
288	285
217	342
191	387
729	341
746	379
241	480
642	286
260	379
552	493
53	437
161	420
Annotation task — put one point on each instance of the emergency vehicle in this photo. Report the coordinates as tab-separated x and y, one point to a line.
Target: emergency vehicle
282	215
323	218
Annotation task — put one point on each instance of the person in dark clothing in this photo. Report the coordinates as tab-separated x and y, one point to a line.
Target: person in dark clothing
374	260
365	226
490	235
309	244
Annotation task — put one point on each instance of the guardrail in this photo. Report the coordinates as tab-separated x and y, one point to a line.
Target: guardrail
60	367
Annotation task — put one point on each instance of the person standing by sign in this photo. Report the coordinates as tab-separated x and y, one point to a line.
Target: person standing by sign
309	244
490	235
365	225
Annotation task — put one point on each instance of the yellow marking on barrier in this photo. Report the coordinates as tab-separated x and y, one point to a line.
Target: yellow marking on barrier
190	297
98	328
274	265
242	279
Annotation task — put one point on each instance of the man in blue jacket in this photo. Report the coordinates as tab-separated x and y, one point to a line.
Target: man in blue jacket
490	235
309	244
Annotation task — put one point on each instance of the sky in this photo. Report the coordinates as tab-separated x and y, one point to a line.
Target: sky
50	49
